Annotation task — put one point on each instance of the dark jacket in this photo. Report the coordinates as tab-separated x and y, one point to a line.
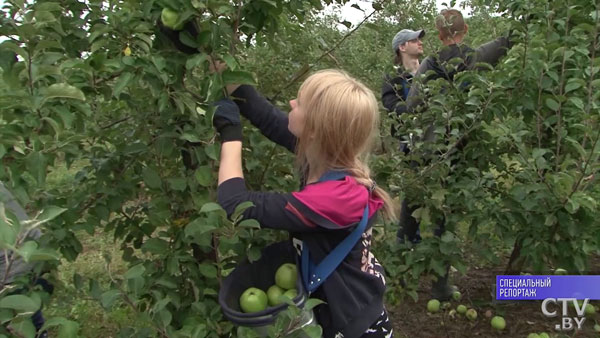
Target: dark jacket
489	53
319	215
394	93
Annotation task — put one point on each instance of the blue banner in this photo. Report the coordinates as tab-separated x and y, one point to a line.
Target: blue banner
542	287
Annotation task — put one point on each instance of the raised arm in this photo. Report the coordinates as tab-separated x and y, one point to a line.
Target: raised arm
490	52
271	210
272	122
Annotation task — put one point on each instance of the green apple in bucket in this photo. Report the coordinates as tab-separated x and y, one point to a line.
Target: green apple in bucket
286	276
273	293
291	293
253	300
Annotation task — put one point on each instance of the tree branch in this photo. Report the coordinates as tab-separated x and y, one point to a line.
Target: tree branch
561	89
326	53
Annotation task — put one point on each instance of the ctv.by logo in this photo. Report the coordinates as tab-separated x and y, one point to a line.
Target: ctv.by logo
567	322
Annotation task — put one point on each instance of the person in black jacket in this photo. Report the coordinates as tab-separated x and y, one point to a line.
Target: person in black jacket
408	48
451	31
13	266
330	128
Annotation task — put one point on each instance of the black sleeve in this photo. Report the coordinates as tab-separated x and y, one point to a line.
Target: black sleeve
272	122
491	52
392	95
271	210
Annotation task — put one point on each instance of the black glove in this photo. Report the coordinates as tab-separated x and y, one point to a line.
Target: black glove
227	120
173	35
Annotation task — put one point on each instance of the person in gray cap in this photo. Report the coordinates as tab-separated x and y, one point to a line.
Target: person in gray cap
408	48
451	29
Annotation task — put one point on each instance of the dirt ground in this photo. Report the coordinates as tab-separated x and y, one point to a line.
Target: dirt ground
522	318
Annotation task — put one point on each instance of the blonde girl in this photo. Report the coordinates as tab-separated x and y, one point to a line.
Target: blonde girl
330	128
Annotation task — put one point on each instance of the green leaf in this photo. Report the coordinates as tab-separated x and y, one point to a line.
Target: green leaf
53	124
24	328
198	227
68	328
447	237
195	60
204	176
572	206
165	317
20	303
49	213
552	104
109	297
161	304
313	331
247	332
571	86
585	201
238	77
210	292
8	233
156	246
357	7
254	254
48	6
187	39
311	303
208	270
438	267
348	24
240	208
177	183
210	151
121	83
135	271
210	206
37	165
249	223
167	282
27	249
577	102
63	90
151	178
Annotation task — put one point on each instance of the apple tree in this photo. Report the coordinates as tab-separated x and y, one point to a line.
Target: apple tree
95	88
514	168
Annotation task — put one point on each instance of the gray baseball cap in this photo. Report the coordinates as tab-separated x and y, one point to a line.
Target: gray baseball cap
404	36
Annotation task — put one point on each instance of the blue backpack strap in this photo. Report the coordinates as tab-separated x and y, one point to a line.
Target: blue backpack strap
405	89
314	275
333	175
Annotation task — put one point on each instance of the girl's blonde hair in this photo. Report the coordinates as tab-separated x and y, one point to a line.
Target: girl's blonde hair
341	123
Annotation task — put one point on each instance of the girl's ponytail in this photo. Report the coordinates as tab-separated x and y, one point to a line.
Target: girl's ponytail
362	174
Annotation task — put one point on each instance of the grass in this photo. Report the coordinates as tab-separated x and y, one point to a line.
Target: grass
75	303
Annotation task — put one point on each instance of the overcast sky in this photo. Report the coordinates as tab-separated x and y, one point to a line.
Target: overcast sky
355	16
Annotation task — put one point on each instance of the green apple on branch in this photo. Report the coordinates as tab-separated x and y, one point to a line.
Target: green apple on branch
170	18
